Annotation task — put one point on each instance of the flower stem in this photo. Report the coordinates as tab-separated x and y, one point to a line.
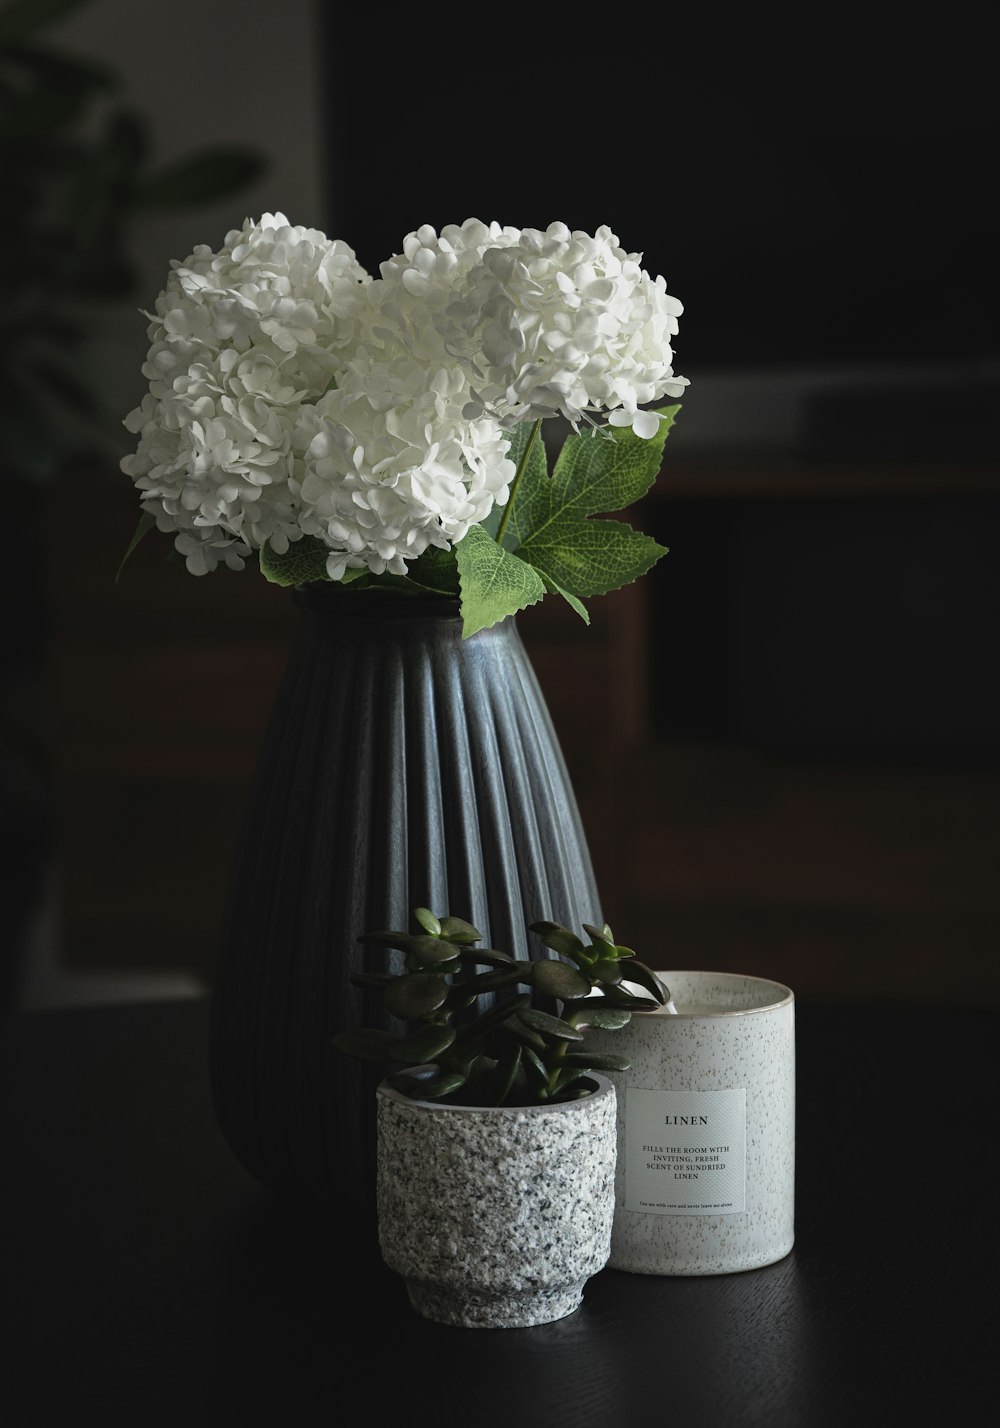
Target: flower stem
521	468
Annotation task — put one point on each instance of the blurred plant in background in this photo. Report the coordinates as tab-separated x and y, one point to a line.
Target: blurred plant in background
78	169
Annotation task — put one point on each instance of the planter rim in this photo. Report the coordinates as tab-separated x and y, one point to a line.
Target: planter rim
605	1087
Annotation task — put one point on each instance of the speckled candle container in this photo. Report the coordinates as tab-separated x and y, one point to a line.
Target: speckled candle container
496	1216
705	1180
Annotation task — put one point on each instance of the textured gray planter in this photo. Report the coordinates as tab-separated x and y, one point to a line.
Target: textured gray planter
496	1217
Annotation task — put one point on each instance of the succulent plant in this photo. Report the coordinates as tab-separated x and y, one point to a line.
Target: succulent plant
519	1050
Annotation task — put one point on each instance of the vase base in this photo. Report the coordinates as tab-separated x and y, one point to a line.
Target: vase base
494	1311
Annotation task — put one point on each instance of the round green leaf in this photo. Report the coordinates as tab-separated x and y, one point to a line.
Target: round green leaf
597	1060
535	1069
424	1043
524	1035
556	979
622	997
485	957
606	971
441	1086
427	921
608	1018
430	950
506	1072
559	938
417	995
639	973
493	981
548	1025
414	1078
456	929
603	945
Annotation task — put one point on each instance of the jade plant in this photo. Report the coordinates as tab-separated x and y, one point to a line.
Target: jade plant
528	1044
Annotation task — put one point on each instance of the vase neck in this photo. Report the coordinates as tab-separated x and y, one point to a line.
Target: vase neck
333	600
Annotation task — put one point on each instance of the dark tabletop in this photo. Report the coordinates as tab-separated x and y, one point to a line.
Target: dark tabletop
146	1275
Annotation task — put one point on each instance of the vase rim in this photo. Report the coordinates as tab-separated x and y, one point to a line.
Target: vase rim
605	1087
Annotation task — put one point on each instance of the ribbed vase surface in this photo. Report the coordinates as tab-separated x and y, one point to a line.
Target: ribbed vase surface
402	766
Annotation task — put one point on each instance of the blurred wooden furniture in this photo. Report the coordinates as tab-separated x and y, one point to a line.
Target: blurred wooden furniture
842	876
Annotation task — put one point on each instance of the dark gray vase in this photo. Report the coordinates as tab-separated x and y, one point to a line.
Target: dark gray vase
403	766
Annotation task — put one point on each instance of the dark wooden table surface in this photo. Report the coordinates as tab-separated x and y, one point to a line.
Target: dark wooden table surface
145	1275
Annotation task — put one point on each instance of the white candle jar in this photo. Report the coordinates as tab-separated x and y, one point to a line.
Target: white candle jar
705	1179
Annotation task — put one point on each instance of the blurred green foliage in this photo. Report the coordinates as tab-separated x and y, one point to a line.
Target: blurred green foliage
77	168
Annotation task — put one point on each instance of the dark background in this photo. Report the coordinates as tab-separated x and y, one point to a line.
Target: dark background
785	738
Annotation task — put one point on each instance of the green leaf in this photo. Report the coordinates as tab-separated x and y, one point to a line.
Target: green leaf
435	571
506	1072
607	971
507	976
424	948
607	1018
536	469
553	525
416	995
571	600
427	921
632	1001
568	1076
548	1025
212	173
146	524
414	1078
494	583
475	1035
556	979
535	1069
425	1043
639	973
597	1060
302	562
440	1086
559	938
486	957
456	929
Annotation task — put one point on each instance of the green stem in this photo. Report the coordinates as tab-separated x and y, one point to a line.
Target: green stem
521	468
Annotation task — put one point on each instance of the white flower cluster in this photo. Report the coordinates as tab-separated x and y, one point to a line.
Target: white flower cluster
290	394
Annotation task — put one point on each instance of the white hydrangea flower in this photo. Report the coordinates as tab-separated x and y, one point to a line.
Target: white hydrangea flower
390	466
290	395
240	339
543	323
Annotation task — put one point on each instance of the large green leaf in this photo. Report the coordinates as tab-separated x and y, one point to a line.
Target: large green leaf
552	525
145	525
303	561
530	454
494	583
435	571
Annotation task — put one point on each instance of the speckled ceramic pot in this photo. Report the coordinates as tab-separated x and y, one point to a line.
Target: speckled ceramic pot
496	1217
705	1180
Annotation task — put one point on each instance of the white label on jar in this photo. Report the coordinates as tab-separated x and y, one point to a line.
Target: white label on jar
685	1152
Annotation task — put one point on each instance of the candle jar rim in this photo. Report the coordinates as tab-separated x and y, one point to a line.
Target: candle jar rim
782	995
